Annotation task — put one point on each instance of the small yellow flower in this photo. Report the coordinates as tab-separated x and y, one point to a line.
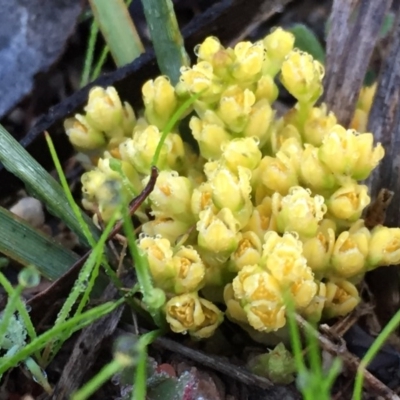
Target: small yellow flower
141	148
302	76
366	97
159	100
318	250
234	310
211	137
298	211
384	247
287	139
368	158
200	78
243	152
265	316
83	135
104	109
184	312
313	173
218	233
202	199
348	202
350	253
159	254
213	317
303	292
249	61
128	119
171	197
278	44
259	121
189	270
235	106
208	49
313	311
248	251
278	174
341	298
266	89
318	123
167	228
262	219
233	192
339	150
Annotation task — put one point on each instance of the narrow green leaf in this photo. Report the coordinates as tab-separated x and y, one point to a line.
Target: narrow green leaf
117	27
20	242
42	185
166	36
306	40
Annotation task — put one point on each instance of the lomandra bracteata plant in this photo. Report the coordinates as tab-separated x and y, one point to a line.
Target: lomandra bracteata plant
255	206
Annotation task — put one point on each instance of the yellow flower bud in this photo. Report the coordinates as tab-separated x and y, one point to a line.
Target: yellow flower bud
262	219
159	100
208	49
210	137
317	124
218	233
359	121
278	173
249	60
384	247
202	199
339	150
231	190
278	44
171	197
82	135
243	152
159	254
368	157
104	109
184	312
283	258
259	121
200	78
234	310
167	228
140	150
265	316
293	148
313	173
298	211
314	310
318	250
348	202
213	317
302	76
253	283
303	292
247	253
189	270
341	298
128	119
366	97
235	106
350	253
266	89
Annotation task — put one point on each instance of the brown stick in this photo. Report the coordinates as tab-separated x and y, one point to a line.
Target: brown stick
348	56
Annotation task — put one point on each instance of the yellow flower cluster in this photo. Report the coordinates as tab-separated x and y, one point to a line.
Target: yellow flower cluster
264	206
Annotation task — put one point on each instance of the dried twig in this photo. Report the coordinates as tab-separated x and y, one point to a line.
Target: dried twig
349	50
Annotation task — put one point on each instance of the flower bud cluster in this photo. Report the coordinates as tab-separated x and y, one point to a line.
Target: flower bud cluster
269	207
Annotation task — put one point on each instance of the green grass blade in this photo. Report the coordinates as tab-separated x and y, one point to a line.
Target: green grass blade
42	185
87	67
117	27
166	37
49	257
372	352
75	323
